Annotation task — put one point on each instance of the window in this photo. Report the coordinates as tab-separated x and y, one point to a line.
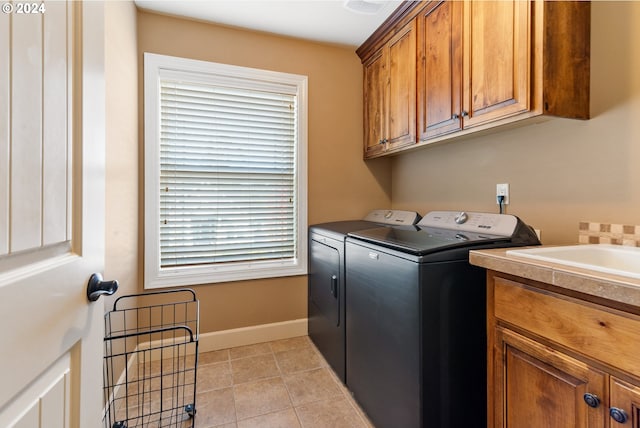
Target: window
225	172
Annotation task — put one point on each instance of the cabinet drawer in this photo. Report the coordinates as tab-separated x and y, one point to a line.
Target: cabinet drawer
605	334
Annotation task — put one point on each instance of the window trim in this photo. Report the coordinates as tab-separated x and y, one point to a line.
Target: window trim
155	66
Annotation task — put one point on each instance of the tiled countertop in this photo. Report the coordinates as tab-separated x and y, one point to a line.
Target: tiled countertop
610	287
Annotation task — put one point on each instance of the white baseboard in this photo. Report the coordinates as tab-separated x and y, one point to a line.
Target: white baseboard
254	334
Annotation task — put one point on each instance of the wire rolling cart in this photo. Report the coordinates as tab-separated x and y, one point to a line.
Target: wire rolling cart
151	359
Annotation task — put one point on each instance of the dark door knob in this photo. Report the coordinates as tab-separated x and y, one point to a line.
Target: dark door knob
97	287
618	415
591	400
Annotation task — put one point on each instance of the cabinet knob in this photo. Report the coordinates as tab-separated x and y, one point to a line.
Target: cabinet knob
618	415
591	400
455	116
465	114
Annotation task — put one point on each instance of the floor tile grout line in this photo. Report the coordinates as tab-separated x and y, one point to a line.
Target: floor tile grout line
235	407
343	390
288	391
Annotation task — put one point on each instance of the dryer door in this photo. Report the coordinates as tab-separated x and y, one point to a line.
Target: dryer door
326	297
324	281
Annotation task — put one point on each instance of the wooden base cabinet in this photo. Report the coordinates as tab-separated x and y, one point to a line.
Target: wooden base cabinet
559	362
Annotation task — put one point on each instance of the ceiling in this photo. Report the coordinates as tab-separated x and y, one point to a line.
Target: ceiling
343	22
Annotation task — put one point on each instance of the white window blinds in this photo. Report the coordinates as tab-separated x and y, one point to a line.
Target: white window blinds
227	185
227	174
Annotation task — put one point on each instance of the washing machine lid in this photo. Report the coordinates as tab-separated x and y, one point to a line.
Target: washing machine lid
425	240
444	230
376	218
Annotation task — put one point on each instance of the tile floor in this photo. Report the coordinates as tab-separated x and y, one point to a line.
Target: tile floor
284	383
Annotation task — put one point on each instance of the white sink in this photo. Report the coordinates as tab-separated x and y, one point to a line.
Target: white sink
614	259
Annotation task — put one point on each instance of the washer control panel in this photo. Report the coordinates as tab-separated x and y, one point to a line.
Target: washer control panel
397	217
490	223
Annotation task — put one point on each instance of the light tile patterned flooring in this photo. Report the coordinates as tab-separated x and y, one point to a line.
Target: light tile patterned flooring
284	383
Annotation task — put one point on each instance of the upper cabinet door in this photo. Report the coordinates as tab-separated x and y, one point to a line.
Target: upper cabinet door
402	87
390	94
375	103
439	79
496	60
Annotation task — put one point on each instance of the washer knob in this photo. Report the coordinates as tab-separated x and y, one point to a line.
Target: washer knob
461	218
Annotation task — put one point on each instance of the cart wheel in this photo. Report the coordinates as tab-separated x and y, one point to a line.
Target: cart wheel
119	425
190	409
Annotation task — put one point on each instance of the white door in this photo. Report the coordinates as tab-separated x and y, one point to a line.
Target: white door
51	212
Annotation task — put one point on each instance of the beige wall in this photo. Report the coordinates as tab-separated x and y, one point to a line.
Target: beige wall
122	257
561	171
341	185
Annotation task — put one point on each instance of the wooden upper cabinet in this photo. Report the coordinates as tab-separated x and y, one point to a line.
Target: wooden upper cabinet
390	94
496	60
563	57
402	88
473	64
452	68
439	75
375	104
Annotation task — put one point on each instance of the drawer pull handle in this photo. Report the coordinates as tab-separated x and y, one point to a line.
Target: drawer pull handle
591	400
618	415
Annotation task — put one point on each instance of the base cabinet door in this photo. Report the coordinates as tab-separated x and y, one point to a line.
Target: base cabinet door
537	386
624	408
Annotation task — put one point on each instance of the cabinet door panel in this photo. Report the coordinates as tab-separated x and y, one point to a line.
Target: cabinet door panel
439	70
375	109
497	64
537	386
625	397
402	88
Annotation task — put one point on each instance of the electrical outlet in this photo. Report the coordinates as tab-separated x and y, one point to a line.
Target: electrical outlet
503	190
538	233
